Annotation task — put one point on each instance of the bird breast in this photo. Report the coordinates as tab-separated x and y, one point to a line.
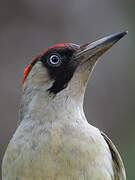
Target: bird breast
60	152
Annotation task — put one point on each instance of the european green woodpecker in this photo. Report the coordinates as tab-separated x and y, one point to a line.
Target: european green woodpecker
54	140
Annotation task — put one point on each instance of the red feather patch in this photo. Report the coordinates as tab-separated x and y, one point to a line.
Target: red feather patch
28	68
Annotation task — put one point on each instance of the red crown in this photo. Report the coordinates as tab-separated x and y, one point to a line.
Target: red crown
28	68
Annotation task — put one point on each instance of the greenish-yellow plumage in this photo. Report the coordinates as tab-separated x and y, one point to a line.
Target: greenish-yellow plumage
53	140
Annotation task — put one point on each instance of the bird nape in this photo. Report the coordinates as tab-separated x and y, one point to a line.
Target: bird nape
54	140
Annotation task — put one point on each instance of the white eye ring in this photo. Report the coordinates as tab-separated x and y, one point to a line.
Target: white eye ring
55	60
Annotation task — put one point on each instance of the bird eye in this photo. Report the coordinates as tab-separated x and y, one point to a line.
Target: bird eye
54	60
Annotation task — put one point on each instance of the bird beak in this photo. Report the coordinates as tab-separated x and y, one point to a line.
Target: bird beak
94	50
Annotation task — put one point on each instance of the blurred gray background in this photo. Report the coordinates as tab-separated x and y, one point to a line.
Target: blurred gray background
27	27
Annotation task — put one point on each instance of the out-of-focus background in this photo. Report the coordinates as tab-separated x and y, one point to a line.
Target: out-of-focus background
29	27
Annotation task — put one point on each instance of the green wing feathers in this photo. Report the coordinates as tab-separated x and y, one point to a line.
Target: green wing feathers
118	165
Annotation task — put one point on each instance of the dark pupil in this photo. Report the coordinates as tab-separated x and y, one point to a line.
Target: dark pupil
55	59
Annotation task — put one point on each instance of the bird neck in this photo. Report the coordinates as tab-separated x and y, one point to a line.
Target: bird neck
38	105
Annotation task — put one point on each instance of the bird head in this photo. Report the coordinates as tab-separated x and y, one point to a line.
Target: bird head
64	69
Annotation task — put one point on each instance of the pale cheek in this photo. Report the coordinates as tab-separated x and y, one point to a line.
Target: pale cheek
38	77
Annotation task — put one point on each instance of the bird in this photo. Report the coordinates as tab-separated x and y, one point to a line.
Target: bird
53	140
